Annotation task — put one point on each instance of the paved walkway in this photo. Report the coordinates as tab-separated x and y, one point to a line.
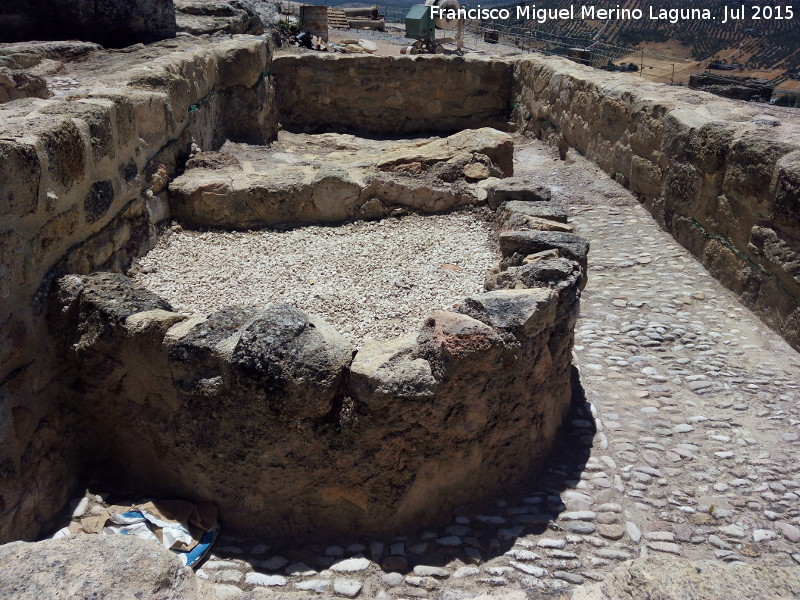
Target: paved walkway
695	451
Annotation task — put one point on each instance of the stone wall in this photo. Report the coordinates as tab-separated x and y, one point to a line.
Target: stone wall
82	187
272	415
721	176
388	95
108	22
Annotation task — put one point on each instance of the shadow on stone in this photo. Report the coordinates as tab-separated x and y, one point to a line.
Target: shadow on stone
479	533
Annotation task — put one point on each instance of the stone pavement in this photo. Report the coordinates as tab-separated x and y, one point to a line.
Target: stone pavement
688	446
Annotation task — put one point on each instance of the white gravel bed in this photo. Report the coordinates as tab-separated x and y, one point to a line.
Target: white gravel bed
368	279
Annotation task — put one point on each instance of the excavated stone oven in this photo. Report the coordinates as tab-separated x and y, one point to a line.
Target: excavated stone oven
273	415
286	425
266	410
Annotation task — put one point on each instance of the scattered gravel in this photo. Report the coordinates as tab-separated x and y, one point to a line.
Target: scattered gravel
367	279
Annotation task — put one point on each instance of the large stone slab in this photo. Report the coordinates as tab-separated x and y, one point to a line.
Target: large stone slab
515	189
287	195
497	145
217	16
94	566
344	180
530	242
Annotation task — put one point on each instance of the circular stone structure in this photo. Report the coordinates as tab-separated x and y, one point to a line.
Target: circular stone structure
295	432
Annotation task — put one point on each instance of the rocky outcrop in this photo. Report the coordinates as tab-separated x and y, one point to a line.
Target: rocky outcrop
200	17
661	577
496	145
26	55
271	414
94	566
279	190
511	189
108	22
19	84
392	94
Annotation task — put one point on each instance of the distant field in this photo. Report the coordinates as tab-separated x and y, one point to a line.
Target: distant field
661	57
764	48
762	45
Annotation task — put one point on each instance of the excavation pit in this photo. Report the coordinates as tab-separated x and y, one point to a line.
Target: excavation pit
265	366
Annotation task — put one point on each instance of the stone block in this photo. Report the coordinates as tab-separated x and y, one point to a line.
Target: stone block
779	254
530	242
20	167
297	359
525	312
109	567
515	189
384	371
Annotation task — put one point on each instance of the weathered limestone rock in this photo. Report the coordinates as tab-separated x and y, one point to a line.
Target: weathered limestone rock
517	215
550	211
423	194
670	578
299	358
554	272
521	312
277	356
236	199
523	243
283	189
515	189
200	17
383	371
103	302
94	566
29	55
537	216
19	84
778	252
498	146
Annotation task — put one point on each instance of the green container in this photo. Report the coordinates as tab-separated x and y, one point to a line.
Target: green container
419	24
